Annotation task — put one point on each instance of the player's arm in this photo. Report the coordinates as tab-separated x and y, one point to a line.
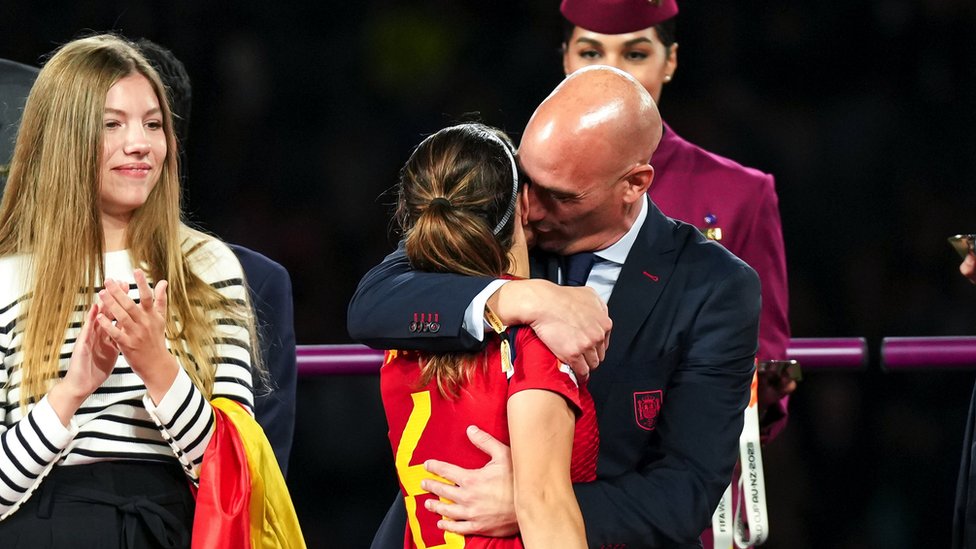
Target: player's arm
541	425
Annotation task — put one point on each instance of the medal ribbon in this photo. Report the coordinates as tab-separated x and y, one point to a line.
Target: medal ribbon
506	350
751	523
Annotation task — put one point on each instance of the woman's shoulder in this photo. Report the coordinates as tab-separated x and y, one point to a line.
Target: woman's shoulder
528	344
209	257
14	274
708	163
14	263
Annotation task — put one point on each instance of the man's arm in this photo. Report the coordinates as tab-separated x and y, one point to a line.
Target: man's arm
392	298
672	497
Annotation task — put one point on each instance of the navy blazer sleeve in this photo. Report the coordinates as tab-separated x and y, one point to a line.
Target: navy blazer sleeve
270	292
669	499
392	296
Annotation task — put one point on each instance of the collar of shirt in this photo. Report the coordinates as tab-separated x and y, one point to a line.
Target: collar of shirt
602	277
605	272
617	252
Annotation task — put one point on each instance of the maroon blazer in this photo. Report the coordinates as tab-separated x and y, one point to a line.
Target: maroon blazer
714	193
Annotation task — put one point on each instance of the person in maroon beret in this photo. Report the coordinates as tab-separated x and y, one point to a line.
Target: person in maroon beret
732	204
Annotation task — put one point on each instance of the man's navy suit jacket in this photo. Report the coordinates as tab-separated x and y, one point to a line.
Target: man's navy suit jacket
669	396
964	511
270	290
16	80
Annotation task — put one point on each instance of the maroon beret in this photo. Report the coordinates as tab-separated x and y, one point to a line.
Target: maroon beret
618	16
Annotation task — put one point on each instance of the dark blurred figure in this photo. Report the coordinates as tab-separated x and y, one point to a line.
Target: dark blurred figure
15	83
268	283
178	87
964	512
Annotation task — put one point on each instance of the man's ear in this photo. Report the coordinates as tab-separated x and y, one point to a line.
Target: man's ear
638	182
524	205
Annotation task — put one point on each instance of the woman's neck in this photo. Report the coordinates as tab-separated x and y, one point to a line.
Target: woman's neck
519	257
114	230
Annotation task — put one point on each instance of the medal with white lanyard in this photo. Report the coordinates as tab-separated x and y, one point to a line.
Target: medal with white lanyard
743	520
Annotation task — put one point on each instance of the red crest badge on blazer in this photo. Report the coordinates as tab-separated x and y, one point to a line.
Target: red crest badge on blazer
647	405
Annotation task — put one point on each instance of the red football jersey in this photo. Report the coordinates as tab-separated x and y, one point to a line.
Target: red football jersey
424	425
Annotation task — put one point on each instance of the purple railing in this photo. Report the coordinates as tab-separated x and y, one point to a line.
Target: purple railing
829	353
909	353
812	353
349	359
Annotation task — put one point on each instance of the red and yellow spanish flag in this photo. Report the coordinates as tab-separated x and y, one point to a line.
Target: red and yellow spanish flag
242	502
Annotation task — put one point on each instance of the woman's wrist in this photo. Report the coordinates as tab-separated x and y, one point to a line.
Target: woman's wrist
514	303
65	400
159	380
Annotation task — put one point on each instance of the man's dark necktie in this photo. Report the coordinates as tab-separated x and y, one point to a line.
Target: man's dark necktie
577	267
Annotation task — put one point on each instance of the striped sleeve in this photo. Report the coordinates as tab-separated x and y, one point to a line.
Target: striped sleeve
233	378
28	450
185	421
217	265
183	416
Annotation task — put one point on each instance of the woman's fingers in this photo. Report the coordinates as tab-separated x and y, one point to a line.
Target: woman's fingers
160	299
145	292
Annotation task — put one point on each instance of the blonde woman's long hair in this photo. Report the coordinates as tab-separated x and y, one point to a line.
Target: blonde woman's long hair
50	212
456	209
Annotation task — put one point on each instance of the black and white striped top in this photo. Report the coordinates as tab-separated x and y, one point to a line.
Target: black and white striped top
118	421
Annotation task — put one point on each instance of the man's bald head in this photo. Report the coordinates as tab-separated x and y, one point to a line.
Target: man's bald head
598	115
586	151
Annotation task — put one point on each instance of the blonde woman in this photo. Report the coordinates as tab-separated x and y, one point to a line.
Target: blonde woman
118	323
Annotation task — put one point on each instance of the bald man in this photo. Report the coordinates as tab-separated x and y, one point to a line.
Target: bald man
675	377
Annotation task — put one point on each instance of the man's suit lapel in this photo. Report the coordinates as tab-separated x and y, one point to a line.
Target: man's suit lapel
645	274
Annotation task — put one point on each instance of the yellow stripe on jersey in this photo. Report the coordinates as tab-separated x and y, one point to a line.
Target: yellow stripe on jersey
411	475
